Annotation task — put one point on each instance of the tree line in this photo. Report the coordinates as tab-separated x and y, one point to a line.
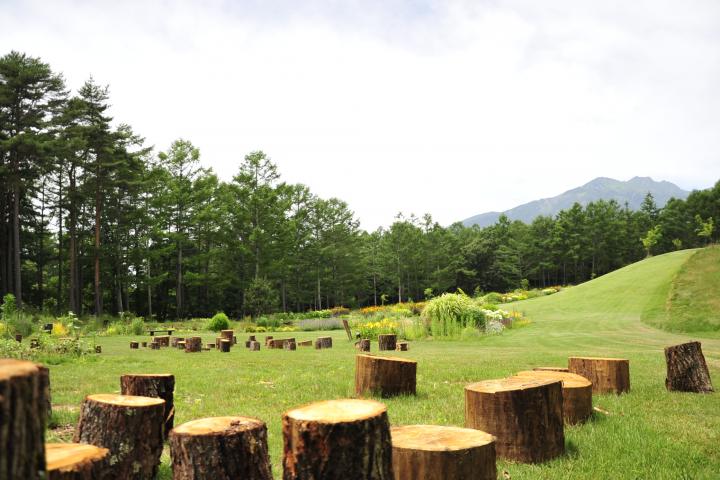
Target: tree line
93	221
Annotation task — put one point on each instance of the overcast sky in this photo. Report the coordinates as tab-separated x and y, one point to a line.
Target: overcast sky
451	108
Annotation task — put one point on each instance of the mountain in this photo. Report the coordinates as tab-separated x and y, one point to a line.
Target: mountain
632	191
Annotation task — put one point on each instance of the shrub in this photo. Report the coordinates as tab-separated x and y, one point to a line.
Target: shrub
371	330
493	297
218	322
268	322
60	330
339	311
448	314
137	326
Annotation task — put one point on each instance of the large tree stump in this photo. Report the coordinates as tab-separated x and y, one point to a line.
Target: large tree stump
254	346
551	369
77	461
159	385
220	448
608	375
576	393
225	345
305	343
323	342
387	341
193	344
23	410
130	427
134	345
429	452
163	340
686	369
524	414
229	334
337	439
385	376
279	342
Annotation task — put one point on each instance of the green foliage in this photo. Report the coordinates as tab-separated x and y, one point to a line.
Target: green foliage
137	326
448	314
260	297
651	239
218	322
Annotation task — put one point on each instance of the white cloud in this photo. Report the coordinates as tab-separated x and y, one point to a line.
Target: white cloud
451	108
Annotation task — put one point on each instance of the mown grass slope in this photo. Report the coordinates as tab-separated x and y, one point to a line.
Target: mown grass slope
648	433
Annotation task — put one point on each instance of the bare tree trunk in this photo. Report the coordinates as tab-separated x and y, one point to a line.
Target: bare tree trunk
179	287
60	245
16	246
98	293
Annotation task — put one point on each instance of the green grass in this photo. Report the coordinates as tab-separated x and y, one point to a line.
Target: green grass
649	433
692	300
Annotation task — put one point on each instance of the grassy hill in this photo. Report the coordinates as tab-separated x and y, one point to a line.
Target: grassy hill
646	434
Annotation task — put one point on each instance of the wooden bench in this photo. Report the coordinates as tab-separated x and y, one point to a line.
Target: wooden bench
168	330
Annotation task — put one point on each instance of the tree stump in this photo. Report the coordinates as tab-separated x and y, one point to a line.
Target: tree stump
305	343
234	340
144	344
225	345
251	338
154	346
229	334
290	346
45	385
363	345
98	349
254	346
402	347
163	340
551	369
387	341
130	427
193	344
77	461
217	342
267	339
23	408
576	393
174	341
181	344
524	414
323	342
160	385
608	375
247	343
384	376
220	448
686	369
210	346
279	342
134	345
18	337
436	452
337	439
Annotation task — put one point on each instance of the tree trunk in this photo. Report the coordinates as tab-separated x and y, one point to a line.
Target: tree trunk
229	334
77	461
576	393
323	342
525	415
225	345
348	439
385	376
179	283
17	266
608	375
220	448
131	427
686	369
154	386
193	344
23	410
436	452
98	291
387	341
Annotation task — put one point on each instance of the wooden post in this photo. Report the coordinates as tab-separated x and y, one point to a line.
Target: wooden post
551	369
608	375
225	345
387	341
686	369
23	408
174	341
193	344
160	385
254	346
77	461
130	427
385	376
524	414
436	452
305	343
402	347
323	342
134	345
337	439
576	393
346	326
220	448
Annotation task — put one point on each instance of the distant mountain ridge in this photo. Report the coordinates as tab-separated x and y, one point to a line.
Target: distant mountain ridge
632	191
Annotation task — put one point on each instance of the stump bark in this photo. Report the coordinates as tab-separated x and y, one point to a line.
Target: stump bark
337	439
608	375
134	345
323	342
217	342
279	342
220	448
193	344
576	393
225	345
98	349
163	340
384	376
251	338
305	343
525	415
77	461
402	347
130	427
387	341
174	341
687	370
154	346
267	339
229	334
432	452
161	385
254	346
290	346
18	337
23	410
363	345
551	369
47	391
144	344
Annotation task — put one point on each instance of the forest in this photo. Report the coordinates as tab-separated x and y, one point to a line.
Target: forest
94	221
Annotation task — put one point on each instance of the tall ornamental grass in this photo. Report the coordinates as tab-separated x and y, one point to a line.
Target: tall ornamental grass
447	315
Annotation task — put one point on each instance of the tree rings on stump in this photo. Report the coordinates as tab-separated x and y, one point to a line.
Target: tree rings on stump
687	370
608	375
551	369
225	345
23	408
254	346
193	344
181	344
220	448
385	376
576	393
131	427
323	342
161	385
430	452
524	414
337	439
77	461
387	341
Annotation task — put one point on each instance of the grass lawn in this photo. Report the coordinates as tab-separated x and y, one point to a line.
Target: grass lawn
648	433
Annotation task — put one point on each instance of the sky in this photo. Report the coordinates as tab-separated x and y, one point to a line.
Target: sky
451	108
